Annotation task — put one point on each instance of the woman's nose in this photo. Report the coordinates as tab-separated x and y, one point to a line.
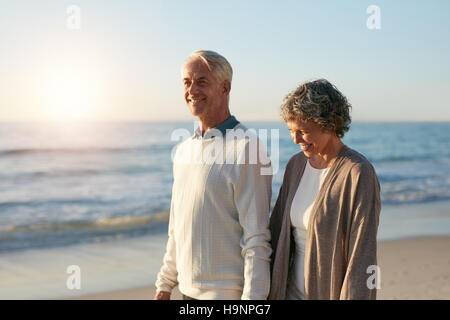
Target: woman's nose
296	136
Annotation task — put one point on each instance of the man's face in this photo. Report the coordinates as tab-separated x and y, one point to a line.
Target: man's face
202	91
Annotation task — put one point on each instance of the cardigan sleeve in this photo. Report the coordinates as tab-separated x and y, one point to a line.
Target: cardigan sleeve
362	243
281	236
276	220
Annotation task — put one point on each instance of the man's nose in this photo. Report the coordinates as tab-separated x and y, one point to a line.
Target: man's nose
193	88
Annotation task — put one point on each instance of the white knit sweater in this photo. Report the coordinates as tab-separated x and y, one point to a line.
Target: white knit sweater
218	246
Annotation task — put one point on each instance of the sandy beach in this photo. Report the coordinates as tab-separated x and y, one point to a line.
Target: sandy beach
416	268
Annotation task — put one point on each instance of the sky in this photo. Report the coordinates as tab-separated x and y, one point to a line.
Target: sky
121	60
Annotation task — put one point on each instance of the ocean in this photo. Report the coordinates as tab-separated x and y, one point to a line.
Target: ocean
66	186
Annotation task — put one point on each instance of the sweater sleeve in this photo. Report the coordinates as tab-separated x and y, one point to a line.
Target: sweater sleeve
167	276
252	195
362	245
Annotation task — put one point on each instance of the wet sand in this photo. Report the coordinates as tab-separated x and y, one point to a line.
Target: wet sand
416	268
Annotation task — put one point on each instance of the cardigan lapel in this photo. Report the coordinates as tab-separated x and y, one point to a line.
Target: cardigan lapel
318	204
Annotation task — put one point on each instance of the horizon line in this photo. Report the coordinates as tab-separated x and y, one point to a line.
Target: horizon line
196	120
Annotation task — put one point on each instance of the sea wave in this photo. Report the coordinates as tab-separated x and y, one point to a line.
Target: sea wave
412	158
413	197
28	151
53	202
100	224
419	190
83	150
78	172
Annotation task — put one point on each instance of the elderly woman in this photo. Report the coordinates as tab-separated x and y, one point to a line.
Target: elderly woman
324	223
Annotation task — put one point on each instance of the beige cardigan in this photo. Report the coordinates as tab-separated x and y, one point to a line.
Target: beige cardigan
341	241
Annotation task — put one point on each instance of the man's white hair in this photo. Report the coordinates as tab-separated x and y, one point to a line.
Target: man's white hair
216	63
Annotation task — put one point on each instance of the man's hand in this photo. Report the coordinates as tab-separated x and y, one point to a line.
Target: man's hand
162	295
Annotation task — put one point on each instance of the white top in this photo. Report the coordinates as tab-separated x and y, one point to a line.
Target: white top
302	204
218	246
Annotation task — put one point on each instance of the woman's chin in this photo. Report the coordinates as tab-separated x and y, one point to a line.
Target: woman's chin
307	153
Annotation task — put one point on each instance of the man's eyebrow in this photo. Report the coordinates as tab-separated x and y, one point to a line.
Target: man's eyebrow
197	79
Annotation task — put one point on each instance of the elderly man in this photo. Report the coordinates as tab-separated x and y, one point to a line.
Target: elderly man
219	241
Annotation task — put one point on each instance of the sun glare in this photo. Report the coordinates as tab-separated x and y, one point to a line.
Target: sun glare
70	95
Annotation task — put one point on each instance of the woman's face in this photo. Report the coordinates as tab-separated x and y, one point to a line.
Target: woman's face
311	138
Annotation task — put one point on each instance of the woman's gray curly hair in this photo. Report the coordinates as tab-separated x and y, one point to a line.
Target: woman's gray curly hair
321	102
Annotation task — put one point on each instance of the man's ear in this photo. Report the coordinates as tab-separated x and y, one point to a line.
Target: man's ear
226	87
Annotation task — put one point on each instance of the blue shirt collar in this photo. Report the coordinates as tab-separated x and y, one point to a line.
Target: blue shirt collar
228	124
